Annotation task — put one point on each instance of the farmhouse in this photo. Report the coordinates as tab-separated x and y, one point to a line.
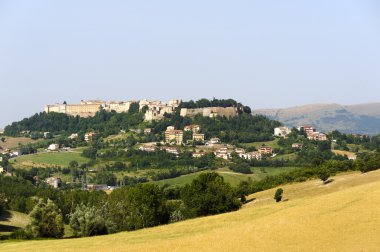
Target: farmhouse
53	147
55	182
265	150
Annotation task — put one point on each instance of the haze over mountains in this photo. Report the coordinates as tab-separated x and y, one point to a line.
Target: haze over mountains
359	118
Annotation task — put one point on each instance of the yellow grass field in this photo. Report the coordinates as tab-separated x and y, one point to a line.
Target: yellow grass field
340	216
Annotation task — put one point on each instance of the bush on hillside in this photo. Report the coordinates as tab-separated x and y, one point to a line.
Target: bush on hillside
209	194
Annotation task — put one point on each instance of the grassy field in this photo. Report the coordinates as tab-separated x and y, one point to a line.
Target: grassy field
231	177
14	142
344	153
48	159
339	216
273	144
11	220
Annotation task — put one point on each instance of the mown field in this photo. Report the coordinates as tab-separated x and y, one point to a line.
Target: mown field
49	159
339	216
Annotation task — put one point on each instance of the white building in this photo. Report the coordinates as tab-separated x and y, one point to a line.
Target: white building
55	182
282	131
53	147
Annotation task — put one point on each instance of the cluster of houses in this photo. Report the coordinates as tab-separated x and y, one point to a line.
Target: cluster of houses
175	137
311	132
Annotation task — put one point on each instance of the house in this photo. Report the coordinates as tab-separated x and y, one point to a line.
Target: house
173	136
100	187
73	136
47	135
317	136
307	129
55	182
223	153
53	147
194	128
281	131
239	151
198	154
171	150
148	148
250	155
297	145
89	137
199	137
14	154
147	131
265	150
214	140
138	131
170	128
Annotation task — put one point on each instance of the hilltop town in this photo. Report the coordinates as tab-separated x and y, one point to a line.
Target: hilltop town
154	110
185	154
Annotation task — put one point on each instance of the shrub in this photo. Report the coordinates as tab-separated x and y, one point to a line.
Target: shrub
278	194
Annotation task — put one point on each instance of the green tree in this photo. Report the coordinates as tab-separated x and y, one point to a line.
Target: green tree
88	221
278	194
209	194
46	220
323	174
140	206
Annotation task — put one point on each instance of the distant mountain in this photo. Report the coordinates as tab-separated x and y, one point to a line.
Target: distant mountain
360	118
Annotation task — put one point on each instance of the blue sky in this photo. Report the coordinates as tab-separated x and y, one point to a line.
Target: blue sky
265	54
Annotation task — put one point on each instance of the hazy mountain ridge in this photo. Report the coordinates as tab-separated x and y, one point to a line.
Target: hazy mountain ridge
359	118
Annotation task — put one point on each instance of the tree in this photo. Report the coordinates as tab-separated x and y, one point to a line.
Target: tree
278	194
140	206
88	221
323	174
46	220
208	194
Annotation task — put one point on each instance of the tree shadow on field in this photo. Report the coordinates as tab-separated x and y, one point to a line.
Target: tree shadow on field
7	228
5	216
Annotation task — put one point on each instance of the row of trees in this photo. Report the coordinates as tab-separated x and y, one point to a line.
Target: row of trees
128	208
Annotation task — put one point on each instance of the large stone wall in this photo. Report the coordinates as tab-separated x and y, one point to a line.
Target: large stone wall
209	112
